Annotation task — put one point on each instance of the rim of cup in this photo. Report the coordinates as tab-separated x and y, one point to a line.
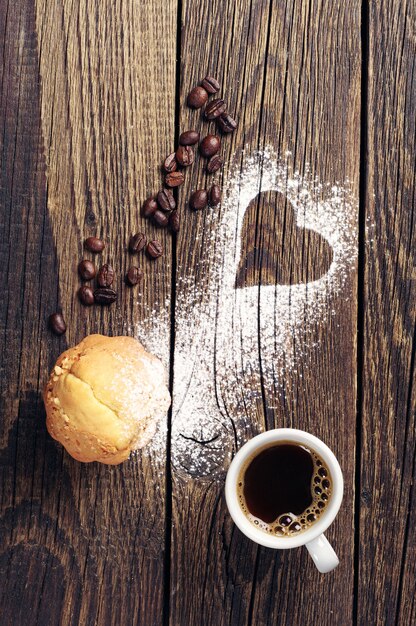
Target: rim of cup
264	440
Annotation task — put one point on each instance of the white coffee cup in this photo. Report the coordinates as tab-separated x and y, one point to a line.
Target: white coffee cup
313	538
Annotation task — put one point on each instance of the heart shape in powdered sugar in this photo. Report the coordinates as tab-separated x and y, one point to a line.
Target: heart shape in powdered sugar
274	249
317	220
235	342
265	321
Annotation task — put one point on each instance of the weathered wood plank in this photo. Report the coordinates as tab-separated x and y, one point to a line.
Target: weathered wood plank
84	127
291	75
85	124
387	540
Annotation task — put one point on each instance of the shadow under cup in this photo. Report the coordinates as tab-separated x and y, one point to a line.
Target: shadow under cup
313	535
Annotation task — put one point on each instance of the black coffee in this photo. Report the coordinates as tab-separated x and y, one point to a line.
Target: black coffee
284	488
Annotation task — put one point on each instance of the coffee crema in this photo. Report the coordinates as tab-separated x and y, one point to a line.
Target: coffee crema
284	488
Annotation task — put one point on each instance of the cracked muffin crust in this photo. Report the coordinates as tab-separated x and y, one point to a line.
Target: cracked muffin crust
104	398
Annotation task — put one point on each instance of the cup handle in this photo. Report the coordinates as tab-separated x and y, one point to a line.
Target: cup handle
323	554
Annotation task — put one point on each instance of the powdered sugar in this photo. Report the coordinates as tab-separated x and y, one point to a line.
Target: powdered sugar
229	342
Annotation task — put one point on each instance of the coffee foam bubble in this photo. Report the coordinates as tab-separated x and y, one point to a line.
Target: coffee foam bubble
288	524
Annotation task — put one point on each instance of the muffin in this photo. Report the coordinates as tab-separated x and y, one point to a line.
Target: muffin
104	398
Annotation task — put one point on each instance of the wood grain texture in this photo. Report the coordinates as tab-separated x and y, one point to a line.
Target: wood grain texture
387	549
90	103
83	118
287	70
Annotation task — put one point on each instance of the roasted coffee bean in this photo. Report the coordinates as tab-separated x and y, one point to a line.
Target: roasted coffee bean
209	145
86	295
134	276
57	323
226	123
185	155
105	295
137	242
169	164
86	270
174	179
198	200
154	249
214	164
215	108
93	244
197	97
174	221
214	195
149	207
189	138
165	200
105	275
161	218
210	84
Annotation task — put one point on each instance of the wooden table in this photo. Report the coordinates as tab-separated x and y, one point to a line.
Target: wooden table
92	99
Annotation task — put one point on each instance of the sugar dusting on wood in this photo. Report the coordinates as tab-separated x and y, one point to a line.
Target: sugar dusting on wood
230	339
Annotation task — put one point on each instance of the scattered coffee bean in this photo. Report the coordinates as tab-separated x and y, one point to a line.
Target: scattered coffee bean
174	179
189	138
174	221
210	84
105	275
198	200
149	207
134	276
86	295
215	108
214	195
226	123
86	270
105	295
185	155
169	164
57	323
154	249
165	200
197	97
214	164
163	210
209	145
93	244
161	218
137	242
